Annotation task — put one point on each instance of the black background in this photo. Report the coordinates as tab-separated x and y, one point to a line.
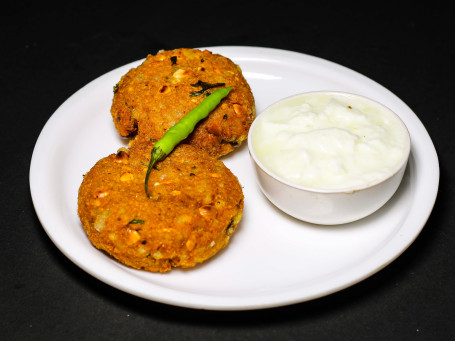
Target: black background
49	52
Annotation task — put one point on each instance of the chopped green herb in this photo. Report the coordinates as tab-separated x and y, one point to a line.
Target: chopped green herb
229	225
136	221
205	86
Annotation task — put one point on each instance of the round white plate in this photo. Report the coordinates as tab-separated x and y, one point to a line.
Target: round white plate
272	259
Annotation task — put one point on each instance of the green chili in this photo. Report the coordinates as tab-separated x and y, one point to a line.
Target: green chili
183	128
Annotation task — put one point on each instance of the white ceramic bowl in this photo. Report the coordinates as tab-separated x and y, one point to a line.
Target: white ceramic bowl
327	206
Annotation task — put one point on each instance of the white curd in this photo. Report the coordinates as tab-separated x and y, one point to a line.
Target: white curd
330	141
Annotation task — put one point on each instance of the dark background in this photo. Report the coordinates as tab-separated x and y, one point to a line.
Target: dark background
49	52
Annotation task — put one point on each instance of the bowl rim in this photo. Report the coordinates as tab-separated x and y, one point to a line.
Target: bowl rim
350	189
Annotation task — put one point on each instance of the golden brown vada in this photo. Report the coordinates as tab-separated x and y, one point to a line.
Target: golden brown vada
195	206
152	97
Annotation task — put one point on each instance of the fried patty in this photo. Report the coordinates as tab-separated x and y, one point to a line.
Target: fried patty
195	206
152	97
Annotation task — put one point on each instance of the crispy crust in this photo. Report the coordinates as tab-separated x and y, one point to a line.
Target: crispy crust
196	204
152	97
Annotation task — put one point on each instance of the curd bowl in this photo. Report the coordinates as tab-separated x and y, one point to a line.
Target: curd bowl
328	157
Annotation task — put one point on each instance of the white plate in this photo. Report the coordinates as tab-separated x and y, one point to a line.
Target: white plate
272	259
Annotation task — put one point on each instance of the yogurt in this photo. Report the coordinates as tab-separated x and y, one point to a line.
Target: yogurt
330	141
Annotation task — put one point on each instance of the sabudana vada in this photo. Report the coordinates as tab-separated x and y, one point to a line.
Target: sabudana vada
152	97
194	207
